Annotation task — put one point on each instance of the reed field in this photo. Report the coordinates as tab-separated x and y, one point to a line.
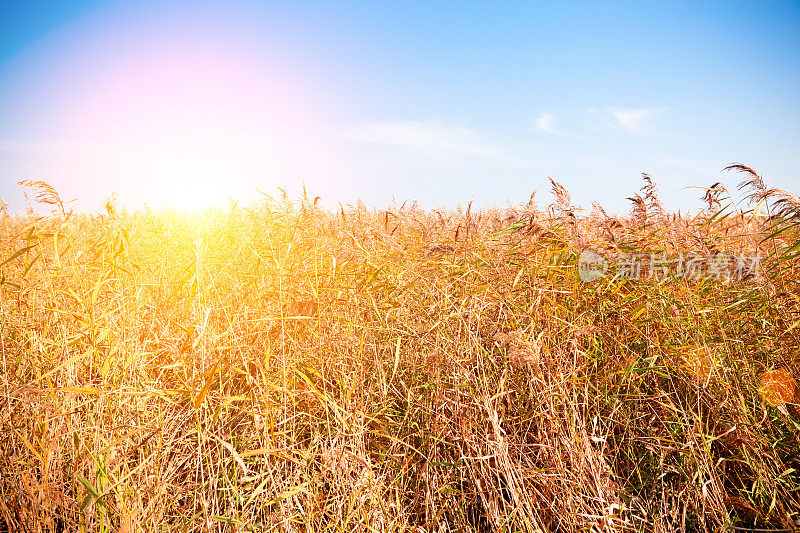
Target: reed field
283	367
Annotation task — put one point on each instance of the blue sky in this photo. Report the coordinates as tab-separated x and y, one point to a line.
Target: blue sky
171	103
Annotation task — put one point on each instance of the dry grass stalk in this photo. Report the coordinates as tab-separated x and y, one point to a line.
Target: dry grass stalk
286	368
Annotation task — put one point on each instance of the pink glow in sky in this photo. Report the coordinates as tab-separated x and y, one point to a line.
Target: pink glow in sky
164	117
196	89
170	102
202	124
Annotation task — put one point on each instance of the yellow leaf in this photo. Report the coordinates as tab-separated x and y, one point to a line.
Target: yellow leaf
85	390
198	401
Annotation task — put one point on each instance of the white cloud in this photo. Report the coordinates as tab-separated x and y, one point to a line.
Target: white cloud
430	135
626	119
437	139
634	120
546	122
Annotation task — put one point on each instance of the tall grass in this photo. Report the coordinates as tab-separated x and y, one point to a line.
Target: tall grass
285	368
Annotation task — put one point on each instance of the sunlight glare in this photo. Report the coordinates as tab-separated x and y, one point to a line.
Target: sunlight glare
195	126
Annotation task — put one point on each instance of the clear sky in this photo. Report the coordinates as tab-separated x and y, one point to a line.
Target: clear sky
189	103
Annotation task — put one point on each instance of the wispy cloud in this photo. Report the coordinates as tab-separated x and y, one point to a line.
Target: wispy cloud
424	135
637	121
435	138
546	122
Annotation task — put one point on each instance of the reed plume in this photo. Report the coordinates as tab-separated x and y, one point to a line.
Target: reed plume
45	193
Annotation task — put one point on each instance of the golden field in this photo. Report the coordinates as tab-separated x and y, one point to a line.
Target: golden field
288	368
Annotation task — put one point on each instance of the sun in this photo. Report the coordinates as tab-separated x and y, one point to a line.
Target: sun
195	125
194	176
